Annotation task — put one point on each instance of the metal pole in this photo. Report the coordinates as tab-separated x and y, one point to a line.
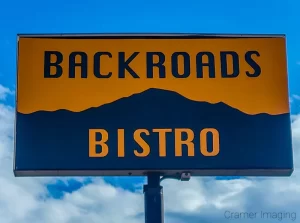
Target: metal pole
153	195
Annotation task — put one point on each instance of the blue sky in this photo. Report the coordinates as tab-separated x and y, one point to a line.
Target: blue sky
194	16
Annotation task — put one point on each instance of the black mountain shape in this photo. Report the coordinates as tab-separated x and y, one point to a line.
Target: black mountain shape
246	141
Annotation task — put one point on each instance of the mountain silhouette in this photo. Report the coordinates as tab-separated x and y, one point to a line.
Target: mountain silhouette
59	140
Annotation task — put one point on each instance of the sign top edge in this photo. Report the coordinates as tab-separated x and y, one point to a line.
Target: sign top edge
199	35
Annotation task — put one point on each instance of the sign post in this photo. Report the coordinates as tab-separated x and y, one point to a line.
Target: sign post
154	205
143	104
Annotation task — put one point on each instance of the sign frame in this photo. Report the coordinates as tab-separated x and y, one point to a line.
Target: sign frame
196	172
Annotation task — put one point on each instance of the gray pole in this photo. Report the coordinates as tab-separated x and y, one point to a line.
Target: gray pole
153	195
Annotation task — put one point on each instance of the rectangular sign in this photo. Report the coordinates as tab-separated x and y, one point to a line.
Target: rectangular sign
130	104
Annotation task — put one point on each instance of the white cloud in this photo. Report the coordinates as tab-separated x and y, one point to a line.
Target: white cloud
297	97
200	200
4	92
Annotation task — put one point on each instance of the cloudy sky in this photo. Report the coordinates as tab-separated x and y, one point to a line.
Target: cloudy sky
112	200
